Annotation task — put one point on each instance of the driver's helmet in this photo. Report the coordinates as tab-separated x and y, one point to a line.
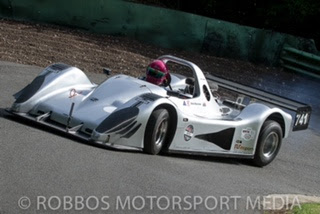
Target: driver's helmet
157	73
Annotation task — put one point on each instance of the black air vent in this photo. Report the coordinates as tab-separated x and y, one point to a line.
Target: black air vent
222	139
118	120
30	89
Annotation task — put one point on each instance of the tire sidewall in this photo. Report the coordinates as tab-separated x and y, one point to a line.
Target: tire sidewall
268	127
153	124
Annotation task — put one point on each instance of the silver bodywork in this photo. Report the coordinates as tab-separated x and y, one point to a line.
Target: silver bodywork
115	113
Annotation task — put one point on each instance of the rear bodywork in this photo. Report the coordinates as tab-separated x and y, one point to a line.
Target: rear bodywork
115	113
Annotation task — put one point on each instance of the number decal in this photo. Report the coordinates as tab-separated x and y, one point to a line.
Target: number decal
301	119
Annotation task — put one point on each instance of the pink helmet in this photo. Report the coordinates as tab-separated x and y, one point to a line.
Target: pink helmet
158	73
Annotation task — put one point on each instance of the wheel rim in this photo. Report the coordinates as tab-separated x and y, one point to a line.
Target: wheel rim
161	132
270	144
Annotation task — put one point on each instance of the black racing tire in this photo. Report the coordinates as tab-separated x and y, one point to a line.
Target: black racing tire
269	143
156	131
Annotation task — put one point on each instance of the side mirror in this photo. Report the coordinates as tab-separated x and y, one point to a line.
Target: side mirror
106	71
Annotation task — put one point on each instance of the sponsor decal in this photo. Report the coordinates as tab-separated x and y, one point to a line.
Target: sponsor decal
248	134
188	103
195	104
188	133
73	93
185	119
239	146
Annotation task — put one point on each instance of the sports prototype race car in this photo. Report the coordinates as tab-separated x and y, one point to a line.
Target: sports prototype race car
184	116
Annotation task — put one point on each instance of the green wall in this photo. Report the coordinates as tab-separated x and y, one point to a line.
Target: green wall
159	26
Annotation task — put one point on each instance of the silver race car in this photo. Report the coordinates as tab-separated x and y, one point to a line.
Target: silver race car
185	116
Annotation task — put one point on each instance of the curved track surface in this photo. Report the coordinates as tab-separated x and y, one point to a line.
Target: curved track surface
39	162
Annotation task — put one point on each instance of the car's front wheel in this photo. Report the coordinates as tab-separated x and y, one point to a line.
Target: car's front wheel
156	131
269	143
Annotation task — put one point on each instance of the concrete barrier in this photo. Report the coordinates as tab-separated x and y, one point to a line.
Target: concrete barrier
159	26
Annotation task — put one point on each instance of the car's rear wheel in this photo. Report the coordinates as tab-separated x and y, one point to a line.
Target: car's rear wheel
156	131
269	143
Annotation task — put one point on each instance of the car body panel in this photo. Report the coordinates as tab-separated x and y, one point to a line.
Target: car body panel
115	113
